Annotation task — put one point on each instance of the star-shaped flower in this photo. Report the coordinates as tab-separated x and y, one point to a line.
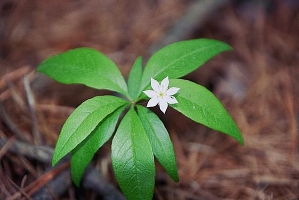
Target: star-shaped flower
161	94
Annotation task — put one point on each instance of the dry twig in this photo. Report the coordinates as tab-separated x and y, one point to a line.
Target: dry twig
92	179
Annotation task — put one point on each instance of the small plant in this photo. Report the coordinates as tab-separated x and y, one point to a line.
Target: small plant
140	135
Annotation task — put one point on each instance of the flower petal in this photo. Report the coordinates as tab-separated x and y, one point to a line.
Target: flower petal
150	93
171	99
172	90
164	84
152	102
161	94
155	85
163	106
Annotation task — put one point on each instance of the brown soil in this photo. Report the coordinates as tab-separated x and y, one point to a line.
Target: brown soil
257	83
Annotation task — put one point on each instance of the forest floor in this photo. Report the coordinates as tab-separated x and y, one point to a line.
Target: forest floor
257	83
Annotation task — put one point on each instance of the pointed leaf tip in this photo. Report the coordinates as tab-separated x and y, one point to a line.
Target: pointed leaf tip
180	58
84	66
202	106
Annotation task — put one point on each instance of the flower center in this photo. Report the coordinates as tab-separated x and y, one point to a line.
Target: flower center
161	94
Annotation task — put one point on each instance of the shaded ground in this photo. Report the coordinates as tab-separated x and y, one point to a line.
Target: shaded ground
257	83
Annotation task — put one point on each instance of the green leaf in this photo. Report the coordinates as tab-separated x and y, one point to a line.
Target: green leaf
135	78
160	141
84	66
133	159
180	58
202	106
85	151
83	121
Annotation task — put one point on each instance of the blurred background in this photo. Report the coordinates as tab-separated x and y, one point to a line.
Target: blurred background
257	83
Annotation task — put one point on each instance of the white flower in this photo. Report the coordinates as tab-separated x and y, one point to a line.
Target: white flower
161	94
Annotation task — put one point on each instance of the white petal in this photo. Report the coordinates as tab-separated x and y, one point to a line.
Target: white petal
163	106
152	102
164	84
172	90
150	93
171	99
155	85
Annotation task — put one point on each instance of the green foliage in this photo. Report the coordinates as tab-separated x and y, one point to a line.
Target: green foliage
160	141
133	159
84	152
180	58
84	66
135	78
82	122
140	134
201	105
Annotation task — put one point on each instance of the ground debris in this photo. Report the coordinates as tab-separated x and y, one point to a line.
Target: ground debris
256	82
